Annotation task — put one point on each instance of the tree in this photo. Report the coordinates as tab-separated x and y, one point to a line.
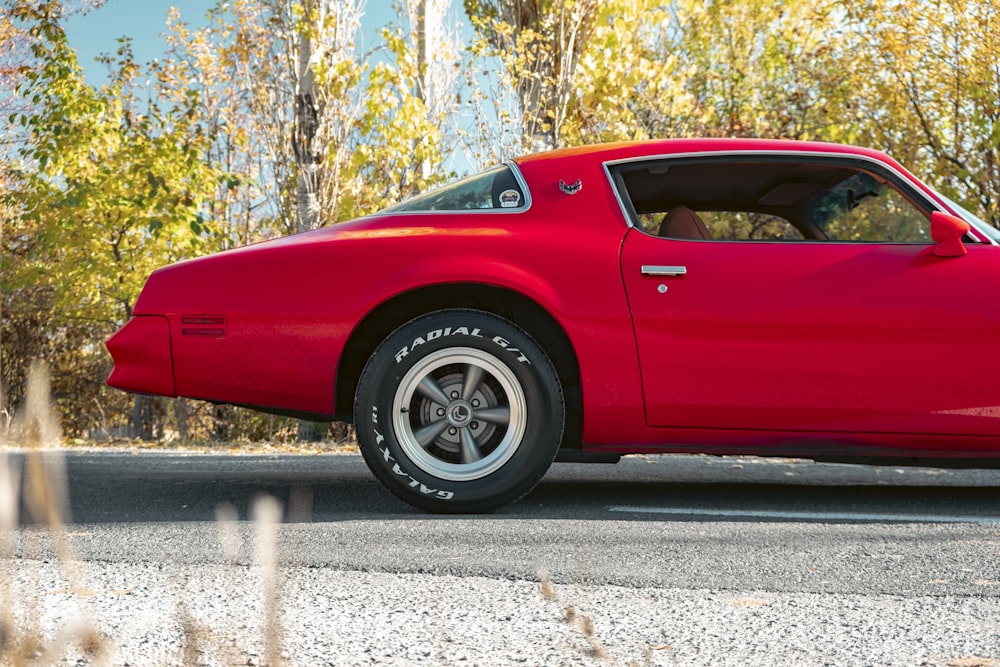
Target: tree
404	135
110	188
539	43
929	90
689	68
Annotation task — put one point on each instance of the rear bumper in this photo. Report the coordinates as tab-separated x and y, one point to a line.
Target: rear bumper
142	356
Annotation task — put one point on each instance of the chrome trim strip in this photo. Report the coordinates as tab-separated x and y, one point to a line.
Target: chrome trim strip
648	270
618	195
907	178
519	177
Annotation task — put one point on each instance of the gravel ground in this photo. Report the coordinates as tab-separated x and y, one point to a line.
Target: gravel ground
175	614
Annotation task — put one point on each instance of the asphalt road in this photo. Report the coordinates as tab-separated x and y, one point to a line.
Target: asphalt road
686	521
906	561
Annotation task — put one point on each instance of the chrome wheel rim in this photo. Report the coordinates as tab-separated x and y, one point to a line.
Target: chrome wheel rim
459	414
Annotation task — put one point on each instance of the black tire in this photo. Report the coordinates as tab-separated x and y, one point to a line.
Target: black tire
459	411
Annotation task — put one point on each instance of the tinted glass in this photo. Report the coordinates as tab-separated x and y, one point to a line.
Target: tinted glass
861	209
494	188
743	199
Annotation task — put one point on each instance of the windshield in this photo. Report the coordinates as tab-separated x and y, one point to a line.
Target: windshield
982	226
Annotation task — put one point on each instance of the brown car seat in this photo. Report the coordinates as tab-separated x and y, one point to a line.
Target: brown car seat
683	223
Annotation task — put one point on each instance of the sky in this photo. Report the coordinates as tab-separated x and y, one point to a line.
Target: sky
97	31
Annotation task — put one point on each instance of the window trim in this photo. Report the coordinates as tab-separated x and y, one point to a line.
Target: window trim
518	177
612	169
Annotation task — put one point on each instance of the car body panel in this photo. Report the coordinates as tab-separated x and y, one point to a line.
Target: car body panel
861	348
816	336
143	360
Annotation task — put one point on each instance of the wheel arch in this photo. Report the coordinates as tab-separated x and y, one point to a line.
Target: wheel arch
513	306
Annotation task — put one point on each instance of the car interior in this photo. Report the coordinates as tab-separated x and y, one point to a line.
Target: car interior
770	201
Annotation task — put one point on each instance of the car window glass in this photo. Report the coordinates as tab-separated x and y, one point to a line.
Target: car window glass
779	200
749	226
734	226
861	209
494	188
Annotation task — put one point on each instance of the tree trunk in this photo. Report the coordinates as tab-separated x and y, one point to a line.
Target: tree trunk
304	141
141	422
181	416
223	427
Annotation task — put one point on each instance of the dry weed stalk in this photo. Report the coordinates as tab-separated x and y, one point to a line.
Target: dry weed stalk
199	644
226	520
6	419
10	481
43	487
40	480
267	517
574	619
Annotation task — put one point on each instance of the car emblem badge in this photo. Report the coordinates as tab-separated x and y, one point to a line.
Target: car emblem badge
571	188
510	199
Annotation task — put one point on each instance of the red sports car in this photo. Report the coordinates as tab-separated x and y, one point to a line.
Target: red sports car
718	296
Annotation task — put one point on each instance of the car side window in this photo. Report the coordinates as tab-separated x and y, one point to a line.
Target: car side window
494	188
861	209
742	199
732	226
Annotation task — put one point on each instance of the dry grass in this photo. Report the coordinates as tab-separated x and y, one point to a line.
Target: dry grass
267	517
584	624
348	446
41	487
37	482
580	622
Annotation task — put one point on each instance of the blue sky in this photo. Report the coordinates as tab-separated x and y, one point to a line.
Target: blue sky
97	32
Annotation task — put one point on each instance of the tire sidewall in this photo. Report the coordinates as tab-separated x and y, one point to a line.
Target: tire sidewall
416	340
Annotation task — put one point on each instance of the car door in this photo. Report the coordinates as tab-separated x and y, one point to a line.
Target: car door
815	335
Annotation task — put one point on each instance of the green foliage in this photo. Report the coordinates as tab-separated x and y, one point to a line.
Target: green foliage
107	190
928	90
271	118
117	190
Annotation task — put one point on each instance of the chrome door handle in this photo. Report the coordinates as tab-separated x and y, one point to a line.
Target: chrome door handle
648	270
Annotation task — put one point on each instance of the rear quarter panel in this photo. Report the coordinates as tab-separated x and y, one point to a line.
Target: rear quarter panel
290	305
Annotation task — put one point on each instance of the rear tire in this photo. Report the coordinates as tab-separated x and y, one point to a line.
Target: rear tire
459	411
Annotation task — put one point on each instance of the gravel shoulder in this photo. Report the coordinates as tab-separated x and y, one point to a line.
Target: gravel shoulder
363	580
154	613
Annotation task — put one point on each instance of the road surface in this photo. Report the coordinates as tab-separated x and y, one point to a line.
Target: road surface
673	559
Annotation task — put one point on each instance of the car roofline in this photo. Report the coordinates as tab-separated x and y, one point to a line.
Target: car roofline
887	164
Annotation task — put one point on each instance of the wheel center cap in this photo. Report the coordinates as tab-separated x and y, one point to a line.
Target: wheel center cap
459	413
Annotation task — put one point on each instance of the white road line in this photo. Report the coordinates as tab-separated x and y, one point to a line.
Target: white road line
805	516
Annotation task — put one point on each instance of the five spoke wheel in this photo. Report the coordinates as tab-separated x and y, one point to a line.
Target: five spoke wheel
459	414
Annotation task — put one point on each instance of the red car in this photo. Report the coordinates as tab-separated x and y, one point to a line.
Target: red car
716	296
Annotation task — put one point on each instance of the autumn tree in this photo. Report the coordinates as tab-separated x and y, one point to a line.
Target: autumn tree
928	87
406	131
110	188
539	43
689	68
311	130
